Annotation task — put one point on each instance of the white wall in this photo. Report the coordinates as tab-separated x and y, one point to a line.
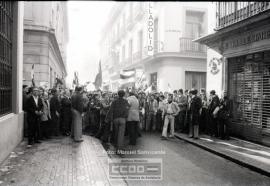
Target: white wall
172	71
214	81
11	125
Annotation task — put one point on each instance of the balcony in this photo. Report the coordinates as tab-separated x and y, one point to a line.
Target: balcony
229	13
189	47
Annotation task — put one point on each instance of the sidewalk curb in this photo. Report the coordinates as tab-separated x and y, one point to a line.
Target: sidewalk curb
225	156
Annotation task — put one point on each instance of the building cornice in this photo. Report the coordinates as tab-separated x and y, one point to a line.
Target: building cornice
52	37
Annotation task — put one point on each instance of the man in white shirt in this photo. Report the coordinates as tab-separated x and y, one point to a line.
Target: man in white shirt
170	111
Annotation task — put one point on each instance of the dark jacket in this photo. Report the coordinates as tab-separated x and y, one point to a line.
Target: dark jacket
55	106
77	102
195	106
224	112
119	108
213	104
31	107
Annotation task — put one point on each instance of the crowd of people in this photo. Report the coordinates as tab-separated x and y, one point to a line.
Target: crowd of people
110	116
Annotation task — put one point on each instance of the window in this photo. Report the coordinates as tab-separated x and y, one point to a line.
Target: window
6	12
193	24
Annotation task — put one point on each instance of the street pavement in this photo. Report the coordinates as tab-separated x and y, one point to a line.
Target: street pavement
186	164
61	162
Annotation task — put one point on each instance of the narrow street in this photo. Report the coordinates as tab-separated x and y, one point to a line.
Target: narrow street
185	164
63	162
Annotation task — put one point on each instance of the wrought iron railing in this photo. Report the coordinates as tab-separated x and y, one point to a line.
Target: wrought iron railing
229	13
6	19
187	45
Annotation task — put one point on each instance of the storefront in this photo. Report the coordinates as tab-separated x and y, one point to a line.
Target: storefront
245	52
249	90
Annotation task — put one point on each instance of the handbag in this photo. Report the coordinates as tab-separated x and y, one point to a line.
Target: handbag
224	114
215	112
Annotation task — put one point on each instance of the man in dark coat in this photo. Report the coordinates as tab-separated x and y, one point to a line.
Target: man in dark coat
66	114
55	112
119	113
214	103
34	108
195	111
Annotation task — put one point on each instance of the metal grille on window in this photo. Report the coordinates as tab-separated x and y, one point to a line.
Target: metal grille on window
249	89
6	19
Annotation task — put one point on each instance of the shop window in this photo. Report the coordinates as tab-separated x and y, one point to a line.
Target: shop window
249	89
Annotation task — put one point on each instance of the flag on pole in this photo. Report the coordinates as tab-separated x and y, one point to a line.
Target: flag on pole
98	80
75	80
169	88
149	89
126	74
33	75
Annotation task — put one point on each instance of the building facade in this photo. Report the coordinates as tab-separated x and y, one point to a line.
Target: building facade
242	38
155	38
45	42
11	73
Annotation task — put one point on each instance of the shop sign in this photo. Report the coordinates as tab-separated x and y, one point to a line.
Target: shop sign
150	30
214	65
247	39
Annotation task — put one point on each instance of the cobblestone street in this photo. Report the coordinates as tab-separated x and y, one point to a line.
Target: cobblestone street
61	162
57	162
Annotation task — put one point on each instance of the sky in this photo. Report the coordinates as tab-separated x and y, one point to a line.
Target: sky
86	20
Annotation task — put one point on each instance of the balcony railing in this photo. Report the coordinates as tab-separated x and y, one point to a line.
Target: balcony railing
229	13
187	45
